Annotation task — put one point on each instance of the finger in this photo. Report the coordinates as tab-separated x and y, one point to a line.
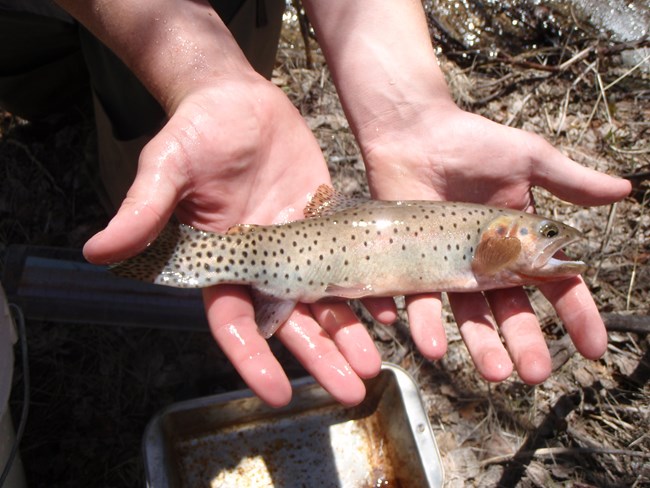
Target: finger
382	309
145	210
522	334
350	336
231	317
319	355
425	321
573	182
479	332
575	306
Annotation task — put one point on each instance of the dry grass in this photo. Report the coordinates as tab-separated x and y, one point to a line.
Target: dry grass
94	388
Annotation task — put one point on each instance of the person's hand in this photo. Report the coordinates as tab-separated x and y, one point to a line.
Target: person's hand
443	153
239	152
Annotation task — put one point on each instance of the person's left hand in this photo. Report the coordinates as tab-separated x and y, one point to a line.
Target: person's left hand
444	153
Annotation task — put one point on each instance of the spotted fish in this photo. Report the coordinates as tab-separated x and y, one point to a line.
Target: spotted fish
349	248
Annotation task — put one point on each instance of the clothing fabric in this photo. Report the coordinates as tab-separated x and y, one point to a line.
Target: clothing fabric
49	62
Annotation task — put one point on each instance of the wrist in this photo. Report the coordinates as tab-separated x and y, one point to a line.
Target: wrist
174	47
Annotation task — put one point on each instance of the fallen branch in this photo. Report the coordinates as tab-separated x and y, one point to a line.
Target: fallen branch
561	451
616	322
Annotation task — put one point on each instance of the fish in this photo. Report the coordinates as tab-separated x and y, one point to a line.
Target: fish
350	247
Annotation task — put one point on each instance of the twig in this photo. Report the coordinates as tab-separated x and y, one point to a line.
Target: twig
559	451
565	105
516	115
303	23
617	322
628	72
636	257
608	234
629	151
577	57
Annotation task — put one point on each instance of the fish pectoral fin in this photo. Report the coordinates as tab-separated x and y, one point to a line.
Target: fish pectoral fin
495	253
241	229
349	292
270	311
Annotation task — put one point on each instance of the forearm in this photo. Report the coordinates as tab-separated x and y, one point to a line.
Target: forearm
173	46
381	58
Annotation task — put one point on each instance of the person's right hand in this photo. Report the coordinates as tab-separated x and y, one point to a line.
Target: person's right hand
239	152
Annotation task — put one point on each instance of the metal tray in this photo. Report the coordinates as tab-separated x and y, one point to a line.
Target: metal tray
235	440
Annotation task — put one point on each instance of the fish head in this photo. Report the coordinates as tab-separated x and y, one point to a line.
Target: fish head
519	248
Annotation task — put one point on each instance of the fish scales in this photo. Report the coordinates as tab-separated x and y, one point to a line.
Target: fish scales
350	248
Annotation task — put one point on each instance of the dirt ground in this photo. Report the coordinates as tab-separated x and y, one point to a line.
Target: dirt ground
93	387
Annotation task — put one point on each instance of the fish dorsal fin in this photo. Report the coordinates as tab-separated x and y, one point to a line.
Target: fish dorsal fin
495	253
328	201
241	229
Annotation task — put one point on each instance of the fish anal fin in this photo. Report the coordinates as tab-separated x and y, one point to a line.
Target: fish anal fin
327	201
270	311
494	254
349	292
241	229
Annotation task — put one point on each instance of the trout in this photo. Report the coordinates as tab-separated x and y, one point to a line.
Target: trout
350	247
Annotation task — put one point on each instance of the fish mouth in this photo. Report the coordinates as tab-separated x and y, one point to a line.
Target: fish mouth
553	262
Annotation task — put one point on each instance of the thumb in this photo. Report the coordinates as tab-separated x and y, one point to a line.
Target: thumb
573	182
147	207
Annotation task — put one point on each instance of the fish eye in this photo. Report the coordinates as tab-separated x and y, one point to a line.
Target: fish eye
549	230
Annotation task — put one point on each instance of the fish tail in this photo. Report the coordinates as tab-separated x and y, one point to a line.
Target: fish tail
176	258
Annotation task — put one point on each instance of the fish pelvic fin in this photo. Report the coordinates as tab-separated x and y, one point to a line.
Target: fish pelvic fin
327	201
270	311
173	259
